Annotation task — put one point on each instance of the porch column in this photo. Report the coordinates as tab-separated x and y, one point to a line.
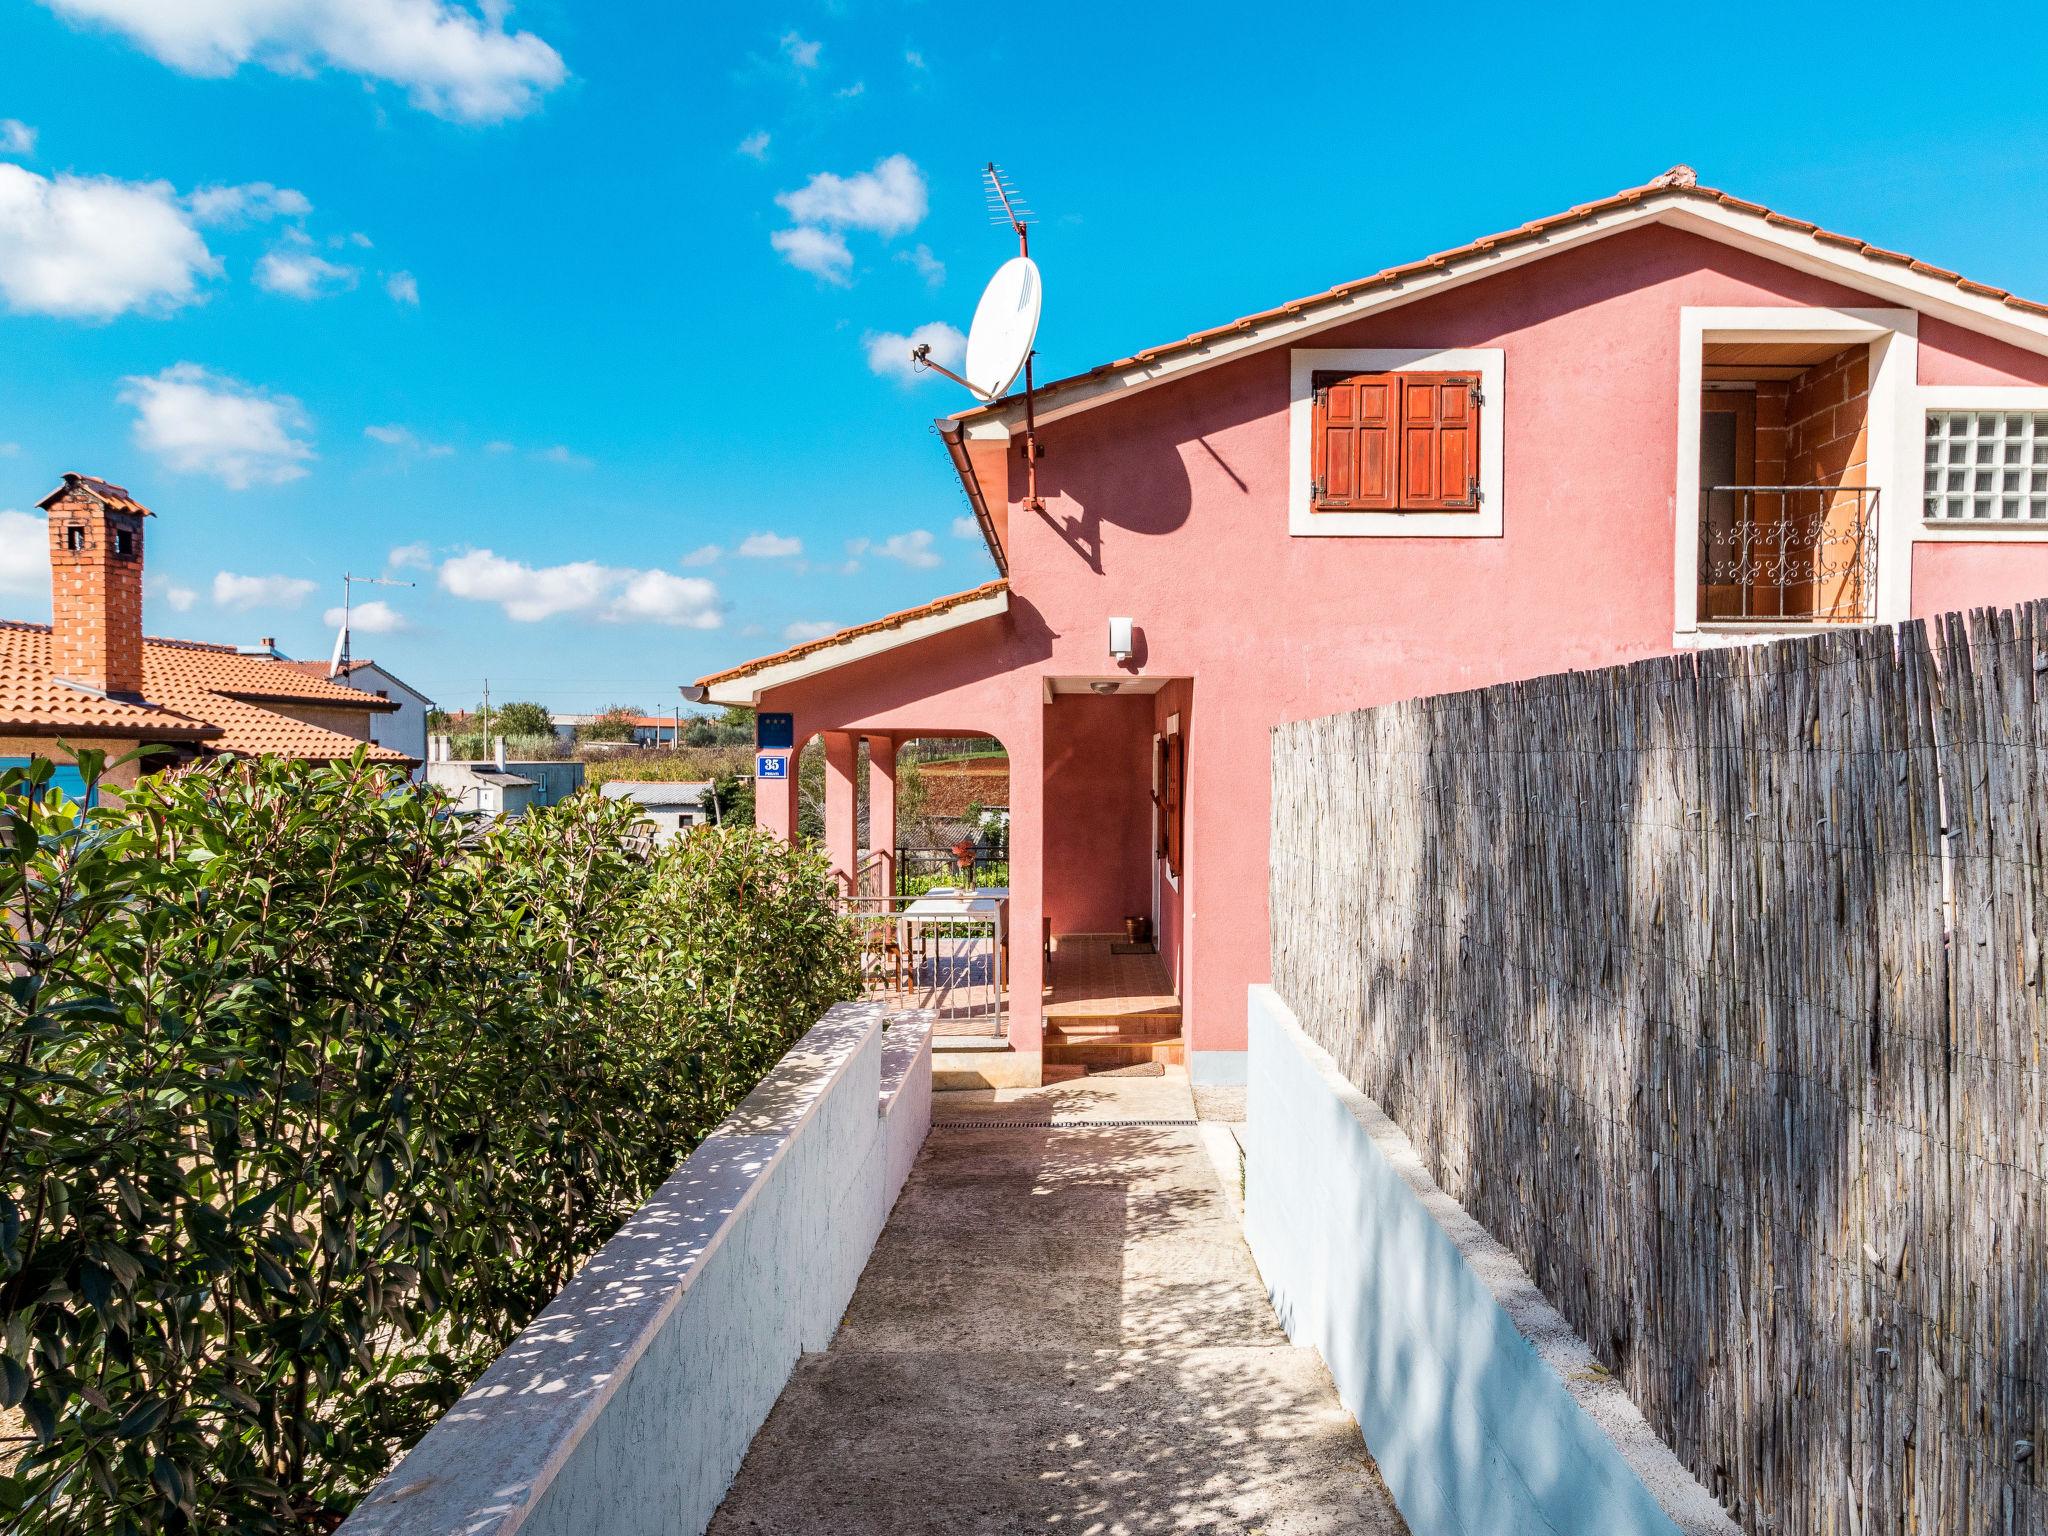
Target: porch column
842	805
1025	742
882	809
775	800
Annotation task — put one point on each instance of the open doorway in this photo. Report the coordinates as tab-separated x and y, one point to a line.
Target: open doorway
1114	854
1787	512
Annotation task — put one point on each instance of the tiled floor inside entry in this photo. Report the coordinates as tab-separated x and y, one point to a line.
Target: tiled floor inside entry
1061	1331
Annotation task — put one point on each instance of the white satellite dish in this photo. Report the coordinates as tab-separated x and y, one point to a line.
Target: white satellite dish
1005	325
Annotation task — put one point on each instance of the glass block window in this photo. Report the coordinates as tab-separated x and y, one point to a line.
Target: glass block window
1987	467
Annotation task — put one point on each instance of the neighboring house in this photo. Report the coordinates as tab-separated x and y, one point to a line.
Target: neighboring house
672	806
404	729
90	678
1663	420
648	730
501	786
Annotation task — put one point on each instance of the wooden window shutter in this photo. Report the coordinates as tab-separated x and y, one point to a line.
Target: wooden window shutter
1174	783
1352	446
1439	442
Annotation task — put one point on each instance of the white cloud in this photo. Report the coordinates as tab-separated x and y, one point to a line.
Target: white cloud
966	528
525	592
914	59
9	450
95	247
244	592
375	617
913	549
562	453
529	594
929	267
703	554
207	424
254	202
888	199
393	435
451	61
24	554
403	287
755	145
816	251
848	92
804	55
163	588
889	352
297	273
409	555
657	597
808	629
499	445
769	546
16	137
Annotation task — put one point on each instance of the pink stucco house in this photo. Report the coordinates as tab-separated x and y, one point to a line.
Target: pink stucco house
1666	419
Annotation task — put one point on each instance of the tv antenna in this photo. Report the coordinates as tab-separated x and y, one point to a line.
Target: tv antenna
999	343
338	667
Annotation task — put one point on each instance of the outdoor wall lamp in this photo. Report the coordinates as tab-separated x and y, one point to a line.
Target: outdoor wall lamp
1120	647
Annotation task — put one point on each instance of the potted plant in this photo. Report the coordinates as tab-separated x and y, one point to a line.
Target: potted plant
963	855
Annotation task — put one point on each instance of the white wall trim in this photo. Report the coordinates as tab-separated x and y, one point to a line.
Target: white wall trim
1490	363
1894	447
748	687
1975	397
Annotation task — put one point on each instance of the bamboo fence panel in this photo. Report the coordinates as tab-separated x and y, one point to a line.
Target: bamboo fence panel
1713	986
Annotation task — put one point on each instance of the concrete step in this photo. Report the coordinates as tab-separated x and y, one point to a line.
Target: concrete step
1153	1026
1111	1051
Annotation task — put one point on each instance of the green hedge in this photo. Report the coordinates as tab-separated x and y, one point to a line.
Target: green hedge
312	1095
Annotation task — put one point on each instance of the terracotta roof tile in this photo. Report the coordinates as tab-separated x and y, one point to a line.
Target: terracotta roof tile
1678	181
204	694
936	606
115	496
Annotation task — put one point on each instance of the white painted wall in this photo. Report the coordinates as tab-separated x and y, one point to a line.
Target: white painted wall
628	1405
404	730
1484	1410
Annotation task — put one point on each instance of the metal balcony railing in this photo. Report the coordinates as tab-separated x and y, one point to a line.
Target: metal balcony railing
945	950
1788	554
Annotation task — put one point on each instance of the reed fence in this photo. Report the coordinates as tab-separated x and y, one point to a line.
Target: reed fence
1713	986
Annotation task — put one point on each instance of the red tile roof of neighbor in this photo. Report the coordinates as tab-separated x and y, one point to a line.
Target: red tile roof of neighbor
937	605
1679	181
209	695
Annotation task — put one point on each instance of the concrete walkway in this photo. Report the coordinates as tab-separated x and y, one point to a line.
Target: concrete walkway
1061	1330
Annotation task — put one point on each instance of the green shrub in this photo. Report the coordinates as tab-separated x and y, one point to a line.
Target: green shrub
311	1095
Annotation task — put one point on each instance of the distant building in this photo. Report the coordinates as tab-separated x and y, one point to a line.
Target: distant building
497	786
673	806
90	678
648	730
405	728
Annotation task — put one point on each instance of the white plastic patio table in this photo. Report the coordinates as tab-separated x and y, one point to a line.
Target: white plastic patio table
946	905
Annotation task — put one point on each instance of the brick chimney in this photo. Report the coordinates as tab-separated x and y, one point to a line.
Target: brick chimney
96	585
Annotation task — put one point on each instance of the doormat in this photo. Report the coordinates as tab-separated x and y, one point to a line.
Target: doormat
1119	947
1135	1069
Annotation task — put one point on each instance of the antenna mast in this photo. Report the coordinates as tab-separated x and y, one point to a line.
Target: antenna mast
1006	206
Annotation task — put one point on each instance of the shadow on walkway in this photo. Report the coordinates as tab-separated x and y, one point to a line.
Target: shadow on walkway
1061	1330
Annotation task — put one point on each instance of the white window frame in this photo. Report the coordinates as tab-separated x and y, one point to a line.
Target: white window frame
1895	458
2029	398
1489	363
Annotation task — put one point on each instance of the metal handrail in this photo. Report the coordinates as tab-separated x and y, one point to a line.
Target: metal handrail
1786	563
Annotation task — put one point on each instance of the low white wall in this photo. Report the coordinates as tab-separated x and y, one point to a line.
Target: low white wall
1484	1410
627	1406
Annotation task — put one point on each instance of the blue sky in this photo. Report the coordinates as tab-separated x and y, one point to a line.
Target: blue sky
547	310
